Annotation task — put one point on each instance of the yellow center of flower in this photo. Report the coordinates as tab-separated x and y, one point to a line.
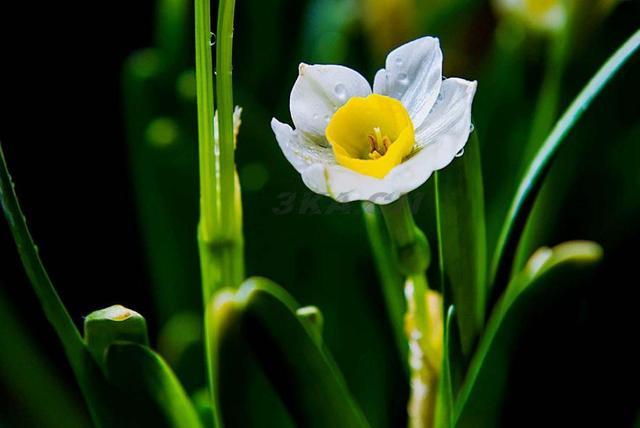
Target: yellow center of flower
371	135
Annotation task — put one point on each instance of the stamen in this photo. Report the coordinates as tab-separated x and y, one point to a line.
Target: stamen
378	143
372	143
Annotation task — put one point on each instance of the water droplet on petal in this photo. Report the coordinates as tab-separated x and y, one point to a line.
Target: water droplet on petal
440	97
212	40
327	118
399	61
460	153
403	79
471	128
341	91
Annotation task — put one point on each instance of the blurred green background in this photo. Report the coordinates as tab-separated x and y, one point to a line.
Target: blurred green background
99	131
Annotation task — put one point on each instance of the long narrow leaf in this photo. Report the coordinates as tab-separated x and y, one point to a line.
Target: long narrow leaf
87	374
462	236
108	408
531	182
548	273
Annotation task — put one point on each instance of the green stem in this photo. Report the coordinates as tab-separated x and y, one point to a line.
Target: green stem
220	229
390	277
209	195
410	244
412	257
209	219
530	183
225	110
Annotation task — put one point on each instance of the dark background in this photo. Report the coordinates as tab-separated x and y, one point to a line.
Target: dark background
63	133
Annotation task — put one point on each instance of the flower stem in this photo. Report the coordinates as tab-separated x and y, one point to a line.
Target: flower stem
412	257
208	176
209	221
390	278
220	230
224	87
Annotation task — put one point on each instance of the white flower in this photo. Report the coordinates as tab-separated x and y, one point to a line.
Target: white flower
354	144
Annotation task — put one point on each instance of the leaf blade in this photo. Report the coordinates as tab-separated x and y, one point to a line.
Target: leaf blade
539	166
462	240
478	404
141	373
313	389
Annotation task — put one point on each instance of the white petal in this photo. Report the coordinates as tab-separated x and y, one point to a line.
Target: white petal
299	151
443	135
413	75
318	92
345	185
452	106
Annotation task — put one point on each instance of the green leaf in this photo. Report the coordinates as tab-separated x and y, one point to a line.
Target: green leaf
531	182
462	239
115	323
297	364
37	385
148	384
314	320
108	409
548	273
89	377
451	361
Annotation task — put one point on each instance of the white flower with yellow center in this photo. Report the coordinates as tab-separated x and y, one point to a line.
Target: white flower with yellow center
352	143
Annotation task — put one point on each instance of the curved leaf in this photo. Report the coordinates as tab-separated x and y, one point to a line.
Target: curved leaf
531	182
108	408
287	348
549	271
150	386
92	383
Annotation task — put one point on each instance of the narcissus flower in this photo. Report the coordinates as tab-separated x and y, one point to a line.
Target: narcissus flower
352	143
